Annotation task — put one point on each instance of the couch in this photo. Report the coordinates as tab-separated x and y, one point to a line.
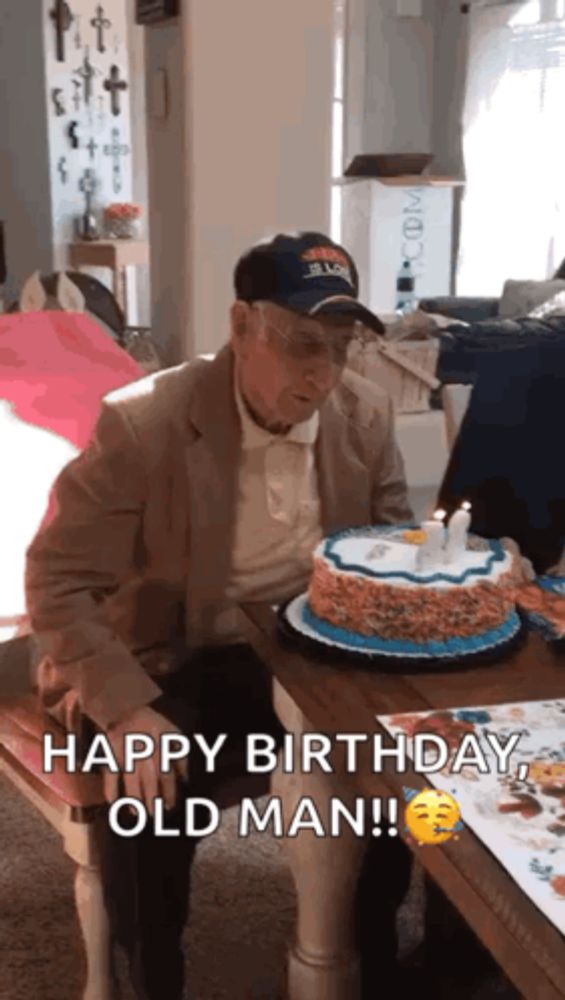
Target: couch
486	331
472	309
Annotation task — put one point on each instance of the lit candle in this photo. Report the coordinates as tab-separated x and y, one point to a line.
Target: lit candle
430	553
457	530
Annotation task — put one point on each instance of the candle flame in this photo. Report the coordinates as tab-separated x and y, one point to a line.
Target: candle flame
466	505
439	515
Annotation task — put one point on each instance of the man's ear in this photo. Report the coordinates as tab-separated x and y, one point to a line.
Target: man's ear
240	325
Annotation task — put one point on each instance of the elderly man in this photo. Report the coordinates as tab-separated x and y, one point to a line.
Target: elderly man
203	486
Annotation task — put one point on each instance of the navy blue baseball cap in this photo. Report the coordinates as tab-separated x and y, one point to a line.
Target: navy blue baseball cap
305	272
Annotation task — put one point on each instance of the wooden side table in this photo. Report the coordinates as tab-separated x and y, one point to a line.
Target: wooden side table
117	255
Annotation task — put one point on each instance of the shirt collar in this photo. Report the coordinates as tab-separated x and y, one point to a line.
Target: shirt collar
254	436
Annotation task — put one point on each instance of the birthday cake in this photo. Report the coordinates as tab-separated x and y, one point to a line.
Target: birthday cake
404	593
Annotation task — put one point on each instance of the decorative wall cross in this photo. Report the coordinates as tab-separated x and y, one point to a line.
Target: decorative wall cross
62	19
116	149
113	84
88	185
100	23
62	168
92	146
75	139
77	84
58	101
87	72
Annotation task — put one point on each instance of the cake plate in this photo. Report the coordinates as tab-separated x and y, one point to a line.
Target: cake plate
299	629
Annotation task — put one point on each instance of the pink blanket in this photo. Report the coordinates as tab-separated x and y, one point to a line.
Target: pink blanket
55	367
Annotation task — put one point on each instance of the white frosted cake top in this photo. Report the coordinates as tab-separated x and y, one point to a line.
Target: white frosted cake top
384	555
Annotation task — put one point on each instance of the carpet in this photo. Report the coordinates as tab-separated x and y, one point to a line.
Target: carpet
243	911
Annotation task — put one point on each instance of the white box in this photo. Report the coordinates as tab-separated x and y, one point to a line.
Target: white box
384	225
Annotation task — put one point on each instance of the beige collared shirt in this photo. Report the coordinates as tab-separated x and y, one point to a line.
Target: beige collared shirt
277	519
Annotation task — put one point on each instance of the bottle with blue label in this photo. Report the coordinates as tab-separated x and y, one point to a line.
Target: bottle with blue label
405	285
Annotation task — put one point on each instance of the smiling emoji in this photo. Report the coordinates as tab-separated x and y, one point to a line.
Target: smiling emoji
432	817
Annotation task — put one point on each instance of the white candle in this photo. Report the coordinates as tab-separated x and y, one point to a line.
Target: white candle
430	553
457	530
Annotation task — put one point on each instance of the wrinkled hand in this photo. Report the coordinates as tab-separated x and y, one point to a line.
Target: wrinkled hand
146	782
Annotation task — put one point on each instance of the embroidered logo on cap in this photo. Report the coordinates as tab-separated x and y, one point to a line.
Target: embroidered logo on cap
327	262
326	253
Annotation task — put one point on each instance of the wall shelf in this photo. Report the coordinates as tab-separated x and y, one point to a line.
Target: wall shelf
406	180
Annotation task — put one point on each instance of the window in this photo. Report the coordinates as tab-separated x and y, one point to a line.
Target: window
513	223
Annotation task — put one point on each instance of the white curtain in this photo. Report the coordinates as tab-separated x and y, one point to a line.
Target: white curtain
513	216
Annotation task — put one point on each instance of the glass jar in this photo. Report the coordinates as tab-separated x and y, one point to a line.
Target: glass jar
121	228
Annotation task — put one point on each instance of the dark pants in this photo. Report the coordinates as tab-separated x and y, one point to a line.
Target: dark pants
147	878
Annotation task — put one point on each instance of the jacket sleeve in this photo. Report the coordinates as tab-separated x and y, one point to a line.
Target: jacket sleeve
80	558
389	496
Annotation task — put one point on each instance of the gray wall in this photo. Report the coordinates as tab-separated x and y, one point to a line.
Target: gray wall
399	86
449	74
25	197
389	79
138	112
405	81
168	198
38	209
95	121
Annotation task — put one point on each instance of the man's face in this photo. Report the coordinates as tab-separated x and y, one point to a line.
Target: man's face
287	363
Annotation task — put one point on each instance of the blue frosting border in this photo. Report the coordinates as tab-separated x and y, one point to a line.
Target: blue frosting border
497	555
553	584
397	647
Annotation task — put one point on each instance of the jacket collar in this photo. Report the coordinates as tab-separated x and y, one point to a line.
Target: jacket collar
342	476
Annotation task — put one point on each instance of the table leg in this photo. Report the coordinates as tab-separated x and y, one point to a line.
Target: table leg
323	962
101	984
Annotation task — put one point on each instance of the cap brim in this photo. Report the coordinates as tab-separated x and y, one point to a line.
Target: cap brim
353	309
303	302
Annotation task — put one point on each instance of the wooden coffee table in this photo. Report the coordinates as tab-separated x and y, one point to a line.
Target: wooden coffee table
318	697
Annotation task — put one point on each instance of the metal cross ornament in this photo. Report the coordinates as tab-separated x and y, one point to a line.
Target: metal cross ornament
100	23
77	84
58	101
62	19
87	72
88	185
62	168
92	146
113	84
116	149
73	136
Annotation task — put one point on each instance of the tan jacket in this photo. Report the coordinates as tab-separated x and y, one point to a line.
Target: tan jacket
144	524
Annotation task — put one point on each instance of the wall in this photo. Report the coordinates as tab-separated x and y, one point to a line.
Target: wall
167	185
39	208
405	80
25	195
95	120
390	79
450	63
252	83
138	113
260	140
